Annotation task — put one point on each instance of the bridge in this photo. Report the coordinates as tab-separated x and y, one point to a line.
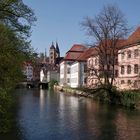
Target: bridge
37	84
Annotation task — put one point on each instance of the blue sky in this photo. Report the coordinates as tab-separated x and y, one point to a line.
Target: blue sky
59	20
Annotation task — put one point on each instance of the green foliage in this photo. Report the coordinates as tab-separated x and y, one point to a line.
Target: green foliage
16	19
52	83
125	98
11	57
130	98
6	103
16	15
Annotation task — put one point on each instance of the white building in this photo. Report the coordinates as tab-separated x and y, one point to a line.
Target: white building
28	71
66	64
42	76
78	74
65	73
53	75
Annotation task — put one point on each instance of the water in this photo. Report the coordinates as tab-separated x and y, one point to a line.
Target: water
45	115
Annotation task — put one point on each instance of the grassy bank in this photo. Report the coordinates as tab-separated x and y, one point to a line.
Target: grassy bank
129	99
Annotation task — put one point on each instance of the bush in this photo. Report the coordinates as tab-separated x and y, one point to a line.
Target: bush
52	83
130	98
6	104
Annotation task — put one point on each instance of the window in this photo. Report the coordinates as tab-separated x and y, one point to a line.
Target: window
91	62
136	84
122	69
88	63
51	53
128	69
96	61
91	73
136	68
68	70
129	82
129	54
68	80
116	61
116	73
85	80
136	53
122	82
85	68
122	55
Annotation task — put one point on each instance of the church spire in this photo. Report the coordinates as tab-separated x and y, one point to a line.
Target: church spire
57	49
45	53
52	46
45	56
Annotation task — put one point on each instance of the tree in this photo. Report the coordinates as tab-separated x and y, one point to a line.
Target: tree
16	15
16	19
109	28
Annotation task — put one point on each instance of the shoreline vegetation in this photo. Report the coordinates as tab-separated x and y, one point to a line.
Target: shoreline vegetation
15	49
128	99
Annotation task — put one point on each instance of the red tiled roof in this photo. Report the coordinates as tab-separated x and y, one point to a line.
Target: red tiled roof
94	50
119	43
75	52
88	53
134	37
78	47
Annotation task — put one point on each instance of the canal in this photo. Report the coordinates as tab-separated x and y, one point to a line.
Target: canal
46	115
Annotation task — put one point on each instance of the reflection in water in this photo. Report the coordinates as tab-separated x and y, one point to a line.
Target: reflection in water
42	100
128	127
46	115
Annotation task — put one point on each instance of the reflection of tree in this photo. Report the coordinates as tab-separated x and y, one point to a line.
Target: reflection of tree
106	122
128	125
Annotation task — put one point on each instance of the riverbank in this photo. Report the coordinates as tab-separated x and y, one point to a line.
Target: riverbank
129	99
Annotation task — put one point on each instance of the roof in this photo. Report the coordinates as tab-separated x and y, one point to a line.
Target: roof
52	46
118	43
78	48
134	37
57	48
75	51
88	53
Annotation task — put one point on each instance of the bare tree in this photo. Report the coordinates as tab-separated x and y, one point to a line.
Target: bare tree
109	28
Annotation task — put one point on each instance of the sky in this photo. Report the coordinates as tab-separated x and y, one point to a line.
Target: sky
59	20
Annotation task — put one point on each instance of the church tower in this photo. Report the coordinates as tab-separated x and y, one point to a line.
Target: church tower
52	54
57	51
